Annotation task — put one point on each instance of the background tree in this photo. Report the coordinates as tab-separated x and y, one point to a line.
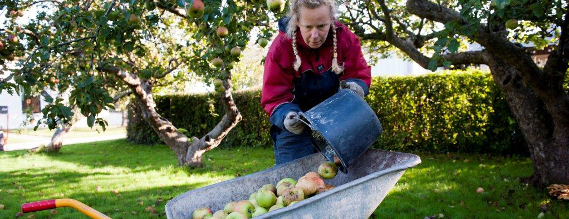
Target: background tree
435	33
93	48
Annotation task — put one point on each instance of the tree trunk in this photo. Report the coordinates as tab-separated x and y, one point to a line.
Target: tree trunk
62	131
548	149
188	152
124	118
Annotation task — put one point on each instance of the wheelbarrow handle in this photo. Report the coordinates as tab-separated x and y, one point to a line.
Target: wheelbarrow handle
38	206
54	203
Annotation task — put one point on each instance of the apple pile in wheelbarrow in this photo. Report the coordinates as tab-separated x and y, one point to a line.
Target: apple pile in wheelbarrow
287	192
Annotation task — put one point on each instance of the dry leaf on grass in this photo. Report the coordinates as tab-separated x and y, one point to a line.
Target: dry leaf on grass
559	190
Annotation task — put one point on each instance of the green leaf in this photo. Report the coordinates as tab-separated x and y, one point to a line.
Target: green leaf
453	45
433	64
447	63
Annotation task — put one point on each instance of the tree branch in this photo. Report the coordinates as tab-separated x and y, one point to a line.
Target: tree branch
171	68
121	95
388	22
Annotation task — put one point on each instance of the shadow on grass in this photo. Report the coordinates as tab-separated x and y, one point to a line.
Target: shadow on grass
446	185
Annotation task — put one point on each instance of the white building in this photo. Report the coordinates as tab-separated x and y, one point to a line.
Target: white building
15	117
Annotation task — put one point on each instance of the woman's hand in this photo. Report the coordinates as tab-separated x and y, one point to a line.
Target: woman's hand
293	124
355	87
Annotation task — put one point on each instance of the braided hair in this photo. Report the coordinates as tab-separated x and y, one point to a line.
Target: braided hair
293	14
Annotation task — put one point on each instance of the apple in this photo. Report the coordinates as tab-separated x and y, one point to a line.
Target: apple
292	194
220	214
263	42
512	24
276	5
1	207
253	196
324	189
236	215
290	180
200	213
266	198
292	203
217	62
244	207
20	13
13	13
269	187
10	57
259	211
283	186
13	38
134	19
236	51
197	9
1	45
275	207
328	170
309	183
222	32
280	201
229	207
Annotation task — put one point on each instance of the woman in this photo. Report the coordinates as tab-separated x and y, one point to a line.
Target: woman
305	64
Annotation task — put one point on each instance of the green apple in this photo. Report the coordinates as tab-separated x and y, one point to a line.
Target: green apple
284	186
276	5
280	201
266	198
328	170
134	19
236	215
263	42
222	32
259	211
217	62
201	213
269	187
229	207
275	207
253	196
512	24
235	51
220	214
290	180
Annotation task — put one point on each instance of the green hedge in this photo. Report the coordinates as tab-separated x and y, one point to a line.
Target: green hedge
450	111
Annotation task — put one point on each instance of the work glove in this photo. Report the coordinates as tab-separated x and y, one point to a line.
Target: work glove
293	124
355	87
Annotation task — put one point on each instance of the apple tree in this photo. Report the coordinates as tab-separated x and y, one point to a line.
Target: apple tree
93	50
435	33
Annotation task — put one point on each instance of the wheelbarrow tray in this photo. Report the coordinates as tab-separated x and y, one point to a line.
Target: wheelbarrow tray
356	194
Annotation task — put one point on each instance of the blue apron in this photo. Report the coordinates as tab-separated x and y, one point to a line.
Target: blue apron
309	90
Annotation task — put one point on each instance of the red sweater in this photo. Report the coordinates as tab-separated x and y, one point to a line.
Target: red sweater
279	71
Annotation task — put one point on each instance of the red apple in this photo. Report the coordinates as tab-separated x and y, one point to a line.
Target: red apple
201	213
244	207
14	13
222	31
324	189
13	38
309	183
328	170
197	9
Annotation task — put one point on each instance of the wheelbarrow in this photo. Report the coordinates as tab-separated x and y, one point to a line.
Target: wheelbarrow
356	194
56	203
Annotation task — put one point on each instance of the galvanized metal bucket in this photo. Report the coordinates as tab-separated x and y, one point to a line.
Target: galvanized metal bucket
356	194
343	125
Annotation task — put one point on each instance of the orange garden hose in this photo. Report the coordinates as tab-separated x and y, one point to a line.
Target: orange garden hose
55	203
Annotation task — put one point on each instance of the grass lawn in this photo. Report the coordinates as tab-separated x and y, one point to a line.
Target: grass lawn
125	180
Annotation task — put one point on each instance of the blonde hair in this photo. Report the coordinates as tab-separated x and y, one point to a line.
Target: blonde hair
293	14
